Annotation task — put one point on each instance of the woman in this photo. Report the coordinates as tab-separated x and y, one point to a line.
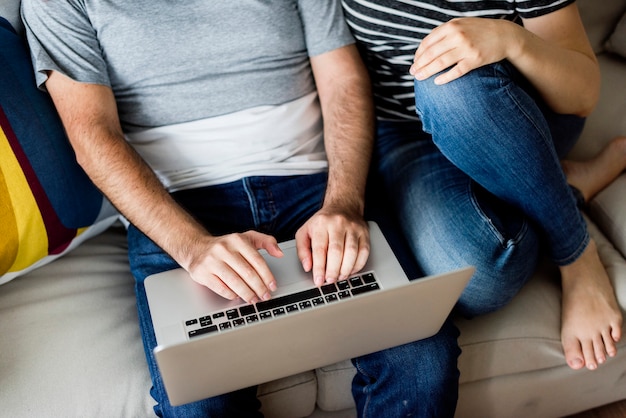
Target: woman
477	103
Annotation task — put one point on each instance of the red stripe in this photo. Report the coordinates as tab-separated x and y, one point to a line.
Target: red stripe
59	237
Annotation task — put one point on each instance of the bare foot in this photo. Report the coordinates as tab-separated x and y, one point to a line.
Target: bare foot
591	320
593	175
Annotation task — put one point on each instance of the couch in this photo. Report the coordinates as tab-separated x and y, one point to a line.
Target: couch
70	344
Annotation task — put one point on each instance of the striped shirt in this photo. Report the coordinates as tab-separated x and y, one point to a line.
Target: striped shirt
388	33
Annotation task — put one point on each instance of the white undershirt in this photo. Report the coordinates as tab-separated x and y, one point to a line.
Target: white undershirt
266	140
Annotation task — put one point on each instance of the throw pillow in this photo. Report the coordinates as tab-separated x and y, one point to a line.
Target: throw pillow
617	41
48	205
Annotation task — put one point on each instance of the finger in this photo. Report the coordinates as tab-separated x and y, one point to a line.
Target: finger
334	256
266	242
363	254
303	247
319	249
233	281
269	244
216	285
238	264
254	271
350	255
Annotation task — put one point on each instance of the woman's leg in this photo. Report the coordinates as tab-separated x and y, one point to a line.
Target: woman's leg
591	176
451	222
489	125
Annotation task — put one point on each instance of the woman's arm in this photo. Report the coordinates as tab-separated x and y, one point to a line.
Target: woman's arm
552	51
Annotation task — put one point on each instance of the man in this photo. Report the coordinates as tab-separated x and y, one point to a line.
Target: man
202	123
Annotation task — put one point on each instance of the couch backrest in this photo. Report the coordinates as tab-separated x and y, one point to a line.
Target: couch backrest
10	10
599	19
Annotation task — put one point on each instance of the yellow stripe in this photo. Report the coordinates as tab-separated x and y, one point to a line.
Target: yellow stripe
8	227
27	232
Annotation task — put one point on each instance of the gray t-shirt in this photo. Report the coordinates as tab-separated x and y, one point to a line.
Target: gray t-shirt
192	60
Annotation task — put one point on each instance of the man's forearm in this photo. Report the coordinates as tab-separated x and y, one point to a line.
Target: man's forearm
348	114
90	118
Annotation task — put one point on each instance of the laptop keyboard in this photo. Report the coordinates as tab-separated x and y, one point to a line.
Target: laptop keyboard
283	305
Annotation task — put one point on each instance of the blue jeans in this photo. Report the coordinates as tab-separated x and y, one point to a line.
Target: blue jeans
419	378
479	182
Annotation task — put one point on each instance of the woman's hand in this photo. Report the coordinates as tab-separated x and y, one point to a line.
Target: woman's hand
462	45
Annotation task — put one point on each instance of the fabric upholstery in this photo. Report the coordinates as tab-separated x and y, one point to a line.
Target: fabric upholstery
46	200
617	41
600	21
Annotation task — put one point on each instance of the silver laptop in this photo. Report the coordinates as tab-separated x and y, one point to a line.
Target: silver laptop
207	345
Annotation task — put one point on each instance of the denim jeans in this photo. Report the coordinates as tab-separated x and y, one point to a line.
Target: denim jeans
419	378
479	182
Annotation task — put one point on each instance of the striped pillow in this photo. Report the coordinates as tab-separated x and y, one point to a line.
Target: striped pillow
48	205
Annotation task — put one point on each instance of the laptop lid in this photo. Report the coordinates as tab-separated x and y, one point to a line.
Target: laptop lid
207	345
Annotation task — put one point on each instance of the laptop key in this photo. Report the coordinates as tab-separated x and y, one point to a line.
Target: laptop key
343	285
365	289
247	310
288	299
232	314
356	281
278	311
202	331
329	288
369	278
332	298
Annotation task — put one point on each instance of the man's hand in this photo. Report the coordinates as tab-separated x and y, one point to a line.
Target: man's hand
333	246
231	265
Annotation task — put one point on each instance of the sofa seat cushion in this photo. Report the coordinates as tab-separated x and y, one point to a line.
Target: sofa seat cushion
518	340
71	345
607	210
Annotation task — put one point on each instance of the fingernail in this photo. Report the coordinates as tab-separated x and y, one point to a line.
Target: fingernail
254	300
267	296
273	286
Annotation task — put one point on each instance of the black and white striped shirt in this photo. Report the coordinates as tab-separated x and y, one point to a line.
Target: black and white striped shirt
388	33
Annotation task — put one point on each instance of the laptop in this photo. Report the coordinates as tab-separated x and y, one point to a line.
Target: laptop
207	345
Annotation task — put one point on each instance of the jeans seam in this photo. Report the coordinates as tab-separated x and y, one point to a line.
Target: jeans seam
576	253
251	200
364	391
505	243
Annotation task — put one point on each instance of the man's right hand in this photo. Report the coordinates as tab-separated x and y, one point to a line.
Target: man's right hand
231	265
